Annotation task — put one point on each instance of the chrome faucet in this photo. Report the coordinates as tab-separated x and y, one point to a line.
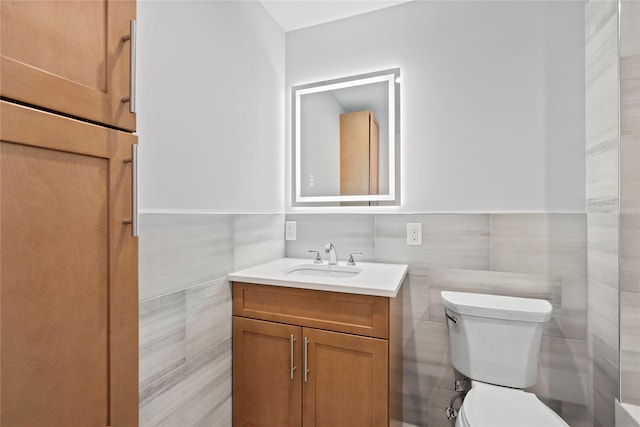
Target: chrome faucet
331	250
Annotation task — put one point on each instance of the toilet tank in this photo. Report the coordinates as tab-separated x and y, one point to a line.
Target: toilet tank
496	339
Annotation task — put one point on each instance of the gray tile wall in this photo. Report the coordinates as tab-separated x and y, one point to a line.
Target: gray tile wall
603	205
185	310
630	202
529	255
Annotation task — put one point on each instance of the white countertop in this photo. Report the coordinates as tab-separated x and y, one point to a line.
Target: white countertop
374	278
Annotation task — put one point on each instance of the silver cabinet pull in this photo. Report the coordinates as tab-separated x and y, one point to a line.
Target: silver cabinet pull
134	190
306	357
292	339
131	99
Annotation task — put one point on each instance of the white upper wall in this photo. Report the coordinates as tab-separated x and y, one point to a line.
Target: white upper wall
211	107
296	14
492	98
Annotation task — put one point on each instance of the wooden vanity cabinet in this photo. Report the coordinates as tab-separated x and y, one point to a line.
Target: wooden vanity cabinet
315	358
69	57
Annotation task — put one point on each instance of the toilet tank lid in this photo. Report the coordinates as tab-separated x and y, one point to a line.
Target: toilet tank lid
497	306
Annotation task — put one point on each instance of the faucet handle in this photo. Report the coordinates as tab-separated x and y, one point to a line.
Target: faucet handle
318	260
350	261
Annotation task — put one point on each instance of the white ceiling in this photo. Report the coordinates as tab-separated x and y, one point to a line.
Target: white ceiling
295	14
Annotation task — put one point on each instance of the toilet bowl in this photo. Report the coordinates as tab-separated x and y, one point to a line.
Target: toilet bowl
488	405
495	341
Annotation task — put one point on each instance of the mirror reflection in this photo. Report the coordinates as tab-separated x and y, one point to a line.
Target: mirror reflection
345	138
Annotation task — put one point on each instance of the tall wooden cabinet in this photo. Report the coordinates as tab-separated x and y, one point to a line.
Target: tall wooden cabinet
68	259
71	57
315	359
359	153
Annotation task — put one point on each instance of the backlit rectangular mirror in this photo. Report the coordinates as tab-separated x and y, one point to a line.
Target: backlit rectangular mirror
345	134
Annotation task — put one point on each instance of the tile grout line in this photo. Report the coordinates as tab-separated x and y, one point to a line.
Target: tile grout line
490	239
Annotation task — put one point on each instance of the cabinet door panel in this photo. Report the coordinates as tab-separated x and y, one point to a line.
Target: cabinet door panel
68	274
264	394
68	56
54	299
347	382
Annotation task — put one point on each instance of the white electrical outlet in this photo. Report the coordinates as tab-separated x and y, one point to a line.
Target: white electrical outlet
414	234
290	230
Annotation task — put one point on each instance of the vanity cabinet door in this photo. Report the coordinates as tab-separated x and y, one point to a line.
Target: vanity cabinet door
266	374
347	380
69	57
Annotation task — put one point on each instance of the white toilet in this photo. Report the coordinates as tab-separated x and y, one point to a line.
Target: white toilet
495	341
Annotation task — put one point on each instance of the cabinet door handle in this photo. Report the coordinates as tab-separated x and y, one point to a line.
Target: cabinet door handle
306	357
131	99
134	191
292	339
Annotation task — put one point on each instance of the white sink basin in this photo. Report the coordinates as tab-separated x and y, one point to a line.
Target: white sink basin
367	278
323	270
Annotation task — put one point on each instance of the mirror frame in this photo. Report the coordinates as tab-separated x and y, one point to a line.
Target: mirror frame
392	77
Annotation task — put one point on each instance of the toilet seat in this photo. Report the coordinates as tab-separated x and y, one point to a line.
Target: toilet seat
488	405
